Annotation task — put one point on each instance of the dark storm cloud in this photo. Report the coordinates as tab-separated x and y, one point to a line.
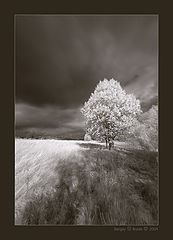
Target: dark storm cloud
60	59
28	116
47	120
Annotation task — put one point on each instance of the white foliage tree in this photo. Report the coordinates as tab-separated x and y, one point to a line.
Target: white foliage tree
145	132
110	111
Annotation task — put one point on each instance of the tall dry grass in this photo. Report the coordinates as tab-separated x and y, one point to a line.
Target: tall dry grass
35	161
92	185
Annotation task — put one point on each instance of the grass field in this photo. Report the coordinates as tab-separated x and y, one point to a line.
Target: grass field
77	182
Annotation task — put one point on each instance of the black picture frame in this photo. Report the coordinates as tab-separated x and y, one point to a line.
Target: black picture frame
7	117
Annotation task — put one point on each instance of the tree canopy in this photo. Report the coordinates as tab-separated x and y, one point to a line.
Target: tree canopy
109	111
145	131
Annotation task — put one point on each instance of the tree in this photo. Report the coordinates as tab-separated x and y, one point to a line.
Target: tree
145	131
110	111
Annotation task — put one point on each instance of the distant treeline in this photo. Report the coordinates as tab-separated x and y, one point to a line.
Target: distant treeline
50	137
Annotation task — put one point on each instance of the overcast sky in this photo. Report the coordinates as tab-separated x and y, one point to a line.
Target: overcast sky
60	60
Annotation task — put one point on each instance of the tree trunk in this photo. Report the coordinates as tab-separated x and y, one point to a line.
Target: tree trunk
106	143
110	145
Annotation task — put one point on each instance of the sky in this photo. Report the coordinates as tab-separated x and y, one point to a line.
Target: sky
59	60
